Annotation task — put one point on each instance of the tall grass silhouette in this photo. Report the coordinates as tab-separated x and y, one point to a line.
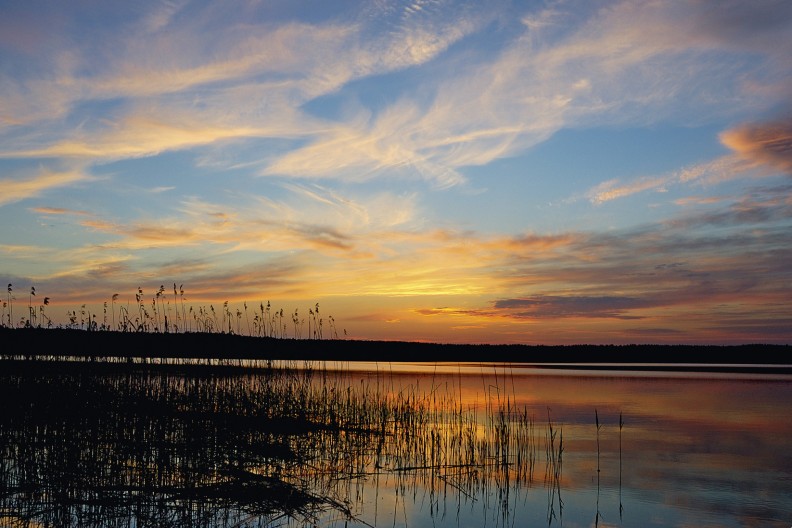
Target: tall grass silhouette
156	315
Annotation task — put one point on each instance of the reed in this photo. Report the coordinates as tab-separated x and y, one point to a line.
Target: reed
184	314
554	456
113	300
597	515
42	308
31	311
176	306
597	423
621	426
10	302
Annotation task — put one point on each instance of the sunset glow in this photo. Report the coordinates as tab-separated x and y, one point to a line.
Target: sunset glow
505	172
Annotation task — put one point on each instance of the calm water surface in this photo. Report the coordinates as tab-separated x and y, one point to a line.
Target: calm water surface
394	445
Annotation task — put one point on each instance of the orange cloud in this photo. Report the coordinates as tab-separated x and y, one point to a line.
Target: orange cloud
59	211
768	144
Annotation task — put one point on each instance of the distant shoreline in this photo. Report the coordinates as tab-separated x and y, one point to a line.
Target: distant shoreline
32	343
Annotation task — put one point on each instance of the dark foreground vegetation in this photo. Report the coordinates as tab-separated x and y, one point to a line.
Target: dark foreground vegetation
278	447
59	343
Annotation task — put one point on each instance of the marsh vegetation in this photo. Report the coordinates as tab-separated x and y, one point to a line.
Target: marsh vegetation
281	446
161	312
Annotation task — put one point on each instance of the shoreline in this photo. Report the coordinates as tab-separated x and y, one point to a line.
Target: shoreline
39	344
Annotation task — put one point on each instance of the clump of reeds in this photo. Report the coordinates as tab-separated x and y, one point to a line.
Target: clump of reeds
156	315
36	313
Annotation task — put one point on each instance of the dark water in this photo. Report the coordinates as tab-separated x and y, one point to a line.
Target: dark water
386	445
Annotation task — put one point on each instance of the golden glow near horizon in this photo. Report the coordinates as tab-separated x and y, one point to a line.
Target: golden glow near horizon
541	172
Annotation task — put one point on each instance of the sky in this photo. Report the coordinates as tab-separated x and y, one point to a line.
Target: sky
478	172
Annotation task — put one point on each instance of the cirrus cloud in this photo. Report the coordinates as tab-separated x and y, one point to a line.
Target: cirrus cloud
26	186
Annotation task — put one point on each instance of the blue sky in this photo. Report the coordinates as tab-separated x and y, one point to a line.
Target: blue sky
534	172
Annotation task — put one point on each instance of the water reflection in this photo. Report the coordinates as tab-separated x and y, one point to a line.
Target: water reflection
108	446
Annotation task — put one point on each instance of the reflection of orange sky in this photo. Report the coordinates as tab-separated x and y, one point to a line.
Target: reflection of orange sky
684	440
678	409
709	402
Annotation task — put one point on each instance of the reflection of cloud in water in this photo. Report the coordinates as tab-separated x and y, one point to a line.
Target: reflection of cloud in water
424	448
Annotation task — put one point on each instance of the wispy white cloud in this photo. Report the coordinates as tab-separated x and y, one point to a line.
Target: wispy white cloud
718	170
180	87
630	63
568	68
309	218
20	249
759	149
162	15
699	200
132	137
26	186
392	145
612	189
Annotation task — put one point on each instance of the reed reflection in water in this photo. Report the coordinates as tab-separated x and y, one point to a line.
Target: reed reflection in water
81	447
294	445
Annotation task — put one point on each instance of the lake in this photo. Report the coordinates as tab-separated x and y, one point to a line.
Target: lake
391	444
